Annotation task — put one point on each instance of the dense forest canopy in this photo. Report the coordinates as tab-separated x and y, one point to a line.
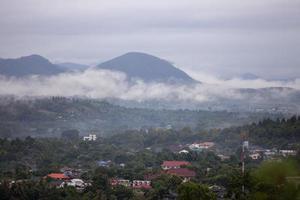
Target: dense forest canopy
50	116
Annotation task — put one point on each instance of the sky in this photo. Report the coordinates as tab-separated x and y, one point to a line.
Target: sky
219	37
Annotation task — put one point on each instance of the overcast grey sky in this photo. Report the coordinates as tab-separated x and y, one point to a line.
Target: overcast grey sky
222	37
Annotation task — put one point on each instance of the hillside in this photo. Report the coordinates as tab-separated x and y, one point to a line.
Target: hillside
28	65
51	116
146	67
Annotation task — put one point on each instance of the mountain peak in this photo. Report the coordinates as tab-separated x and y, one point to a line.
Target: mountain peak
28	65
34	56
137	54
147	67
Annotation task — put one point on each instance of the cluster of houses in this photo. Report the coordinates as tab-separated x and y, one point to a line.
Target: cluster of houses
135	184
67	177
109	163
196	146
253	152
176	168
256	154
61	180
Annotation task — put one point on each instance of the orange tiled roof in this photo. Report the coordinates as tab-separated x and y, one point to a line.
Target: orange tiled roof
57	176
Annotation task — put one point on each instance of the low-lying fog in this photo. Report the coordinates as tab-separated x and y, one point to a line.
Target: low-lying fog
94	83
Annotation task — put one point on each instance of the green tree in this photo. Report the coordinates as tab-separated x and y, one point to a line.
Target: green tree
164	186
272	181
122	193
194	191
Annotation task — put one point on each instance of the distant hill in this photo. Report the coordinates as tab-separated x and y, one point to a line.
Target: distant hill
69	66
28	65
146	67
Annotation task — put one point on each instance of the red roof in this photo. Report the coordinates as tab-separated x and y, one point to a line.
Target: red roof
182	172
143	186
175	163
57	176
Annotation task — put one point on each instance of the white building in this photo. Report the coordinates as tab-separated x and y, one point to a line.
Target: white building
255	156
223	157
246	144
91	137
77	183
201	146
183	151
287	152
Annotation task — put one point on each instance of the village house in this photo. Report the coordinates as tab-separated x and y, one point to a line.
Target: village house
104	163
286	153
141	184
246	144
57	176
201	146
254	156
183	151
56	179
122	165
77	183
174	164
123	182
184	173
135	184
269	153
70	172
90	137
223	157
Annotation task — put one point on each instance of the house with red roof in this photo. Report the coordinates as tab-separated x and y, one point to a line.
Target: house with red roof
57	176
124	182
141	184
174	164
135	184
184	173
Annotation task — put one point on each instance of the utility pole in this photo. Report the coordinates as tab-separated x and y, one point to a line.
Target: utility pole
243	164
243	136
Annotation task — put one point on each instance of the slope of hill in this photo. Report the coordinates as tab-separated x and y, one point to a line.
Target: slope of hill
50	116
146	67
28	65
279	133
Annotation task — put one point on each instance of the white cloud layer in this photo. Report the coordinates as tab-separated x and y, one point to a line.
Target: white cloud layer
107	84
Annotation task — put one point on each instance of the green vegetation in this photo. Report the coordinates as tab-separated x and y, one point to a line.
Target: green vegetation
270	181
48	117
139	153
267	133
190	190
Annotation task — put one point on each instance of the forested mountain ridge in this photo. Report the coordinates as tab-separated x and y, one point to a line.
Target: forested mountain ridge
50	116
